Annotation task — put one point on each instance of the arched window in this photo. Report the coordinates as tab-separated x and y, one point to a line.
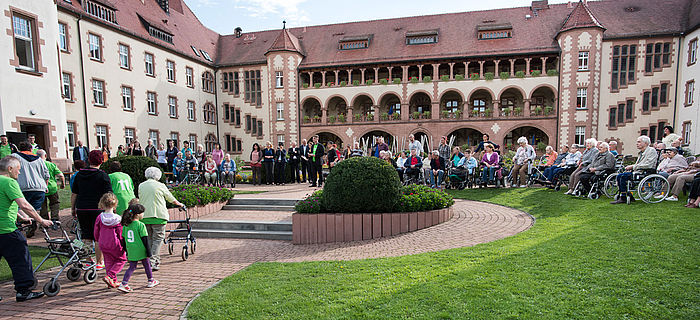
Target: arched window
209	142
209	113
207	82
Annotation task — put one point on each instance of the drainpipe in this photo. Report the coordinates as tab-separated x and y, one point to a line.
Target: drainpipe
216	108
556	132
299	109
678	68
82	76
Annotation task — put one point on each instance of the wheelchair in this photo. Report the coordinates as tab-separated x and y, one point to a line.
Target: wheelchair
536	171
597	185
500	180
409	179
458	178
650	187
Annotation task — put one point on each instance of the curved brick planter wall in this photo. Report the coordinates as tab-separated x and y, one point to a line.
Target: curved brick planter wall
195	213
345	227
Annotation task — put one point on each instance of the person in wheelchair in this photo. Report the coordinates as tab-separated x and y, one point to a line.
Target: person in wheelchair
560	157
398	164
190	165
568	165
603	162
437	169
489	162
178	167
228	171
671	162
413	165
646	161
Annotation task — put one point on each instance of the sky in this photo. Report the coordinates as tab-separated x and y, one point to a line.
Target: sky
223	16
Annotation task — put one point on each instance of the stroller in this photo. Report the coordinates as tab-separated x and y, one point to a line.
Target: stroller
184	226
78	259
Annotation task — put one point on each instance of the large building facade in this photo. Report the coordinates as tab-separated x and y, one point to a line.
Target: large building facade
115	71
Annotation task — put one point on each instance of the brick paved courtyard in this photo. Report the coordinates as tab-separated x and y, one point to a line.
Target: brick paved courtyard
473	223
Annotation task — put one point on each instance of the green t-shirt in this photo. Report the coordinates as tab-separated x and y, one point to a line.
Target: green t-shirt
53	171
154	220
123	188
5	151
135	251
9	192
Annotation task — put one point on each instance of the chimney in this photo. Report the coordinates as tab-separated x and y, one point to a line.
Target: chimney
165	5
539	5
237	32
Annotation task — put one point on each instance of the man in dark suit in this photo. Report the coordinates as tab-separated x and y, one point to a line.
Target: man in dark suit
280	163
304	159
316	157
80	152
294	161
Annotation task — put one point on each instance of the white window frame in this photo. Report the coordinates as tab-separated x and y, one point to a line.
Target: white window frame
689	92
170	67
124	56
583	61
151	103
192	138
693	54
580	132
70	134
172	107
148	61
62	36
101	135
687	132
279	79
582	98
153	136
189	76
98	92
127	98
280	138
95	47
129	135
23	32
190	110
67	86
175	137
280	111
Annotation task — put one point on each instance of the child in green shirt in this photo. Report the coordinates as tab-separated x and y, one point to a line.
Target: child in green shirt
136	244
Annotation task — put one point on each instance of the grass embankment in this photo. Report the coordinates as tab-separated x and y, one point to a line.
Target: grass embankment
37	255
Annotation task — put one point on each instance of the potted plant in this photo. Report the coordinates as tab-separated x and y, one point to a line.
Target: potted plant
488	76
504	75
506	112
331	119
535	73
341	118
475	113
538	110
369	82
415	115
426	115
414	80
384	116
552	72
395	116
370	117
445	114
307	119
383	81
520	74
355	82
517	111
459	77
427	79
329	84
541	146
474	76
397	81
487	112
343	83
317	118
548	109
458	114
317	85
358	117
445	78
305	85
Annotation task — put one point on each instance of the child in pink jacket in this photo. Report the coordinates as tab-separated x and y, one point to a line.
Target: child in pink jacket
108	234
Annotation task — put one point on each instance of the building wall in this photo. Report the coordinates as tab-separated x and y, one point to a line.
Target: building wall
626	133
688	115
33	97
115	77
286	96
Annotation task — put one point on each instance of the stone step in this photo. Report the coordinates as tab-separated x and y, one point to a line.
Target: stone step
262	202
258	207
242	234
242	225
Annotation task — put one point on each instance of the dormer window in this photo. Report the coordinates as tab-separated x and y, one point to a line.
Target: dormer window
206	55
196	52
495	31
356	42
160	34
100	11
422	37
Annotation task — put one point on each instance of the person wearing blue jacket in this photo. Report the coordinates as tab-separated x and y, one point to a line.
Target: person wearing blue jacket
280	164
227	168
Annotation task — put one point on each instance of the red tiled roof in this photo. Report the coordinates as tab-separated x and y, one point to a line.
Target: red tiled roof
457	34
580	17
285	42
187	30
693	9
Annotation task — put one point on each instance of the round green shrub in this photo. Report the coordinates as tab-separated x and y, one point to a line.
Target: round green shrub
362	184
135	167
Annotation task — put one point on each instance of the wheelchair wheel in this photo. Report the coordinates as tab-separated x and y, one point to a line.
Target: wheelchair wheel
52	288
73	274
185	253
653	188
593	196
610	187
170	249
530	182
90	276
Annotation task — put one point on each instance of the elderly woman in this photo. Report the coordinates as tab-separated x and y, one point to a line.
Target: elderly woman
490	162
88	187
586	158
153	194
228	170
671	163
604	160
210	168
678	179
523	157
646	160
551	156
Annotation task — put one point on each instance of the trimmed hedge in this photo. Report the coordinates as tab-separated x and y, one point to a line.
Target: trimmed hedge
135	167
195	195
361	184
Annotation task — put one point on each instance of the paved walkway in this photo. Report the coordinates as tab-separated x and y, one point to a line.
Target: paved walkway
473	223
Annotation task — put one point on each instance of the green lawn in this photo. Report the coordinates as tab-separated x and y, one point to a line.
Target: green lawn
37	255
582	259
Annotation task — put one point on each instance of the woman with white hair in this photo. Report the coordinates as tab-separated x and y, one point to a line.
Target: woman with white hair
586	159
523	157
153	194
